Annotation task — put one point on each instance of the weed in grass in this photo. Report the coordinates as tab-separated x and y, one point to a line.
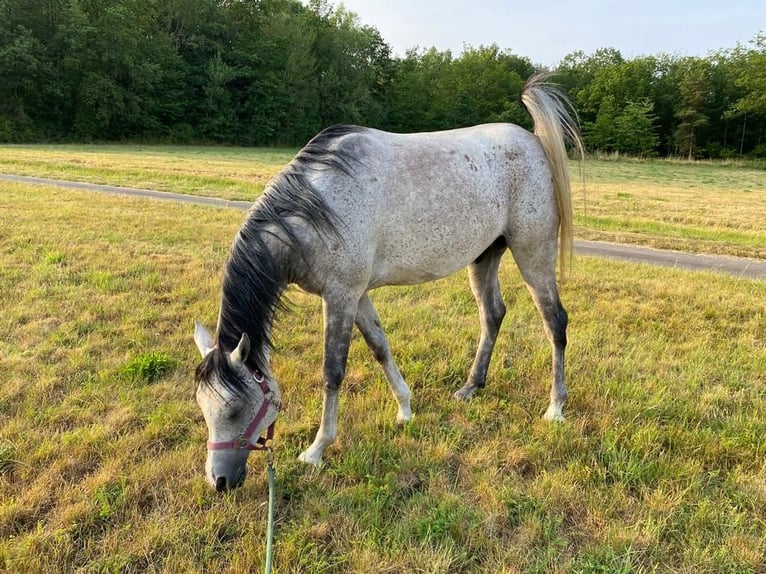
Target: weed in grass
109	498
54	257
518	507
105	282
148	367
8	458
449	519
607	560
632	458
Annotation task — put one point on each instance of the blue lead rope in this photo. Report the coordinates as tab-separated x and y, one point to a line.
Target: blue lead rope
270	529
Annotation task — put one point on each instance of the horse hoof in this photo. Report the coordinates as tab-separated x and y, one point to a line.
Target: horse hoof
465	393
553	414
308	458
403	418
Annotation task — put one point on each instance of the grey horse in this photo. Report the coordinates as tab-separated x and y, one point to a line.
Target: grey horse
359	208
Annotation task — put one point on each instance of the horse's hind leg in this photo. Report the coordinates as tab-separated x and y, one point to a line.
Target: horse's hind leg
537	263
369	324
482	275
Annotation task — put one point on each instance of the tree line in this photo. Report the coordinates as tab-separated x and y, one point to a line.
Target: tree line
270	72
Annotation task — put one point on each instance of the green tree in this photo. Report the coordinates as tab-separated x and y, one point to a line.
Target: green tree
415	96
607	88
277	71
635	129
23	69
748	107
286	93
694	82
485	85
601	134
752	78
432	90
111	66
351	65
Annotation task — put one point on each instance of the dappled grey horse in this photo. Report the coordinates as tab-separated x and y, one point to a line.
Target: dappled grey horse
359	208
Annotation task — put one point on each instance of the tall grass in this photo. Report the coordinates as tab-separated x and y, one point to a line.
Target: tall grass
660	466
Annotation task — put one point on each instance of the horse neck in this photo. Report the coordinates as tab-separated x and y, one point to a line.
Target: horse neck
253	282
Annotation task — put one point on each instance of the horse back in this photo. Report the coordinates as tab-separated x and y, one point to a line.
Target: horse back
416	207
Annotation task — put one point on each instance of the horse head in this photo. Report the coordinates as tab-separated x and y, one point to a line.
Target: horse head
239	403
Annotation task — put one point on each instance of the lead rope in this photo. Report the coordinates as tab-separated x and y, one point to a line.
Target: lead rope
270	528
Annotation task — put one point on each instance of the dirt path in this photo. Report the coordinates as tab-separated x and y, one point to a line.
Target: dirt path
737	266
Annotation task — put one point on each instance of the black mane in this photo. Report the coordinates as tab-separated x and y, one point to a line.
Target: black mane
254	279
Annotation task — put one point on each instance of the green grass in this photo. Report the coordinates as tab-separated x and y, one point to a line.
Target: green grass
659	467
229	173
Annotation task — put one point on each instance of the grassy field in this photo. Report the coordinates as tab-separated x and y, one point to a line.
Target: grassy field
229	173
700	207
660	467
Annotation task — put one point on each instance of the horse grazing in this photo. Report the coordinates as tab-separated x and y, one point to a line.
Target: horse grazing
360	208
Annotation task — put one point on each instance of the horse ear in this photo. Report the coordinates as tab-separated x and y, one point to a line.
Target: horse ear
203	338
239	354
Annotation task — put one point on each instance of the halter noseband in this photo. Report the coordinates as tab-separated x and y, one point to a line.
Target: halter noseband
243	442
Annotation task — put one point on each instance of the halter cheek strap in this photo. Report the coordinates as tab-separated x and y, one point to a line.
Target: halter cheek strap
243	441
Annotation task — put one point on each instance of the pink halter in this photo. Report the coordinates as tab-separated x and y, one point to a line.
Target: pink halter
243	441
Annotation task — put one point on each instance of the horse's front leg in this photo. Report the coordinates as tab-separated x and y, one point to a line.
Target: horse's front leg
339	314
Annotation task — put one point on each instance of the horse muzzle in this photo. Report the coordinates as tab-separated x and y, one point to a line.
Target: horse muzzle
223	482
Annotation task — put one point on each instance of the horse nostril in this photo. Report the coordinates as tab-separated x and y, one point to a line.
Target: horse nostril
220	484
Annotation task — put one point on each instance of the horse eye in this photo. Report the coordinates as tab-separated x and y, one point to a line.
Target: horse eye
234	413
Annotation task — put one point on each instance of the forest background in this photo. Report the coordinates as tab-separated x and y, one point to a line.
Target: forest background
275	72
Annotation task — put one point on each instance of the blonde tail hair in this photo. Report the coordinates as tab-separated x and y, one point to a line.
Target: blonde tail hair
555	122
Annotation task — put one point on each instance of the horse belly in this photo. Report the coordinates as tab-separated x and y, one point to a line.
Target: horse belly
436	238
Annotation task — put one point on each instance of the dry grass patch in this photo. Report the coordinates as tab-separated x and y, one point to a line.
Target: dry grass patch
706	208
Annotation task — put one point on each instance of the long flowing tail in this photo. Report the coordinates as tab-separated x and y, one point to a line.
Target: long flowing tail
552	114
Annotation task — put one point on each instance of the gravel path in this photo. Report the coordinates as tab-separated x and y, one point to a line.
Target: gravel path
737	266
